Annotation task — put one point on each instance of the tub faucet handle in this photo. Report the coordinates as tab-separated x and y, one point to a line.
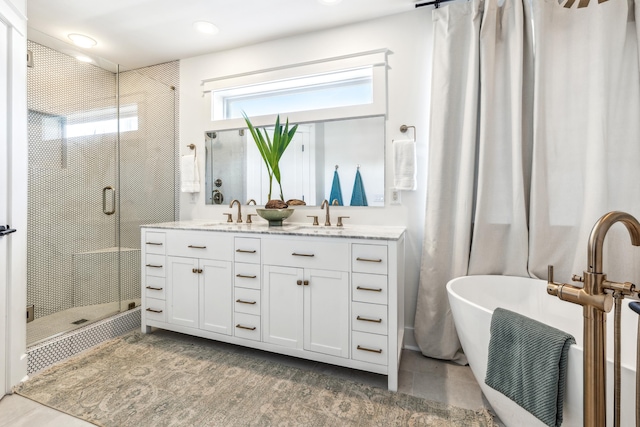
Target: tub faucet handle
577	278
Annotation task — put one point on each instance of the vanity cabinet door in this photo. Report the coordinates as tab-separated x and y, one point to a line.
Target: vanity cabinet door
216	287
326	312
183	289
282	306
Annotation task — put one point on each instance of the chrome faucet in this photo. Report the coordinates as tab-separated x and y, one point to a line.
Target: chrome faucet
239	209
596	304
327	220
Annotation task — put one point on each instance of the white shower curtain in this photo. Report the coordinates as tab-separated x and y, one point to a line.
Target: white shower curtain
525	155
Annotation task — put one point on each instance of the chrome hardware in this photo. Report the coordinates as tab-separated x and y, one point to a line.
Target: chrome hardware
249	221
362	288
245	277
244	251
154	289
104	200
250	328
154	310
217	197
327	218
365	319
340	218
315	219
229	217
236	201
245	302
369	349
6	230
368	260
197	247
154	243
299	283
218	182
596	303
154	266
307	255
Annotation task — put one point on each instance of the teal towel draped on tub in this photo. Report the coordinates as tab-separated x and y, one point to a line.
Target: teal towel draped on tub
528	364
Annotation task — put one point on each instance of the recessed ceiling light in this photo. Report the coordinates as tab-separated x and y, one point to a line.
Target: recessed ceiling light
83	58
205	27
82	40
329	1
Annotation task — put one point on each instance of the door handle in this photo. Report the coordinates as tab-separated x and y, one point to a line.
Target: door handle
104	200
6	230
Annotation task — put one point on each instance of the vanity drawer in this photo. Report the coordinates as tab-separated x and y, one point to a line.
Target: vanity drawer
369	258
370	288
247	275
247	326
370	348
200	244
247	301
307	253
247	249
371	318
155	242
155	310
154	287
155	265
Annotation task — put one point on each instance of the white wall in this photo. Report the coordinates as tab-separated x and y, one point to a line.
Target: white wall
408	38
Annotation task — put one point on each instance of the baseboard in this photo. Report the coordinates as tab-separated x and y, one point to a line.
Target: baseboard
410	342
47	353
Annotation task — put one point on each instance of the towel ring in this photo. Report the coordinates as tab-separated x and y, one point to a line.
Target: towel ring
404	129
192	147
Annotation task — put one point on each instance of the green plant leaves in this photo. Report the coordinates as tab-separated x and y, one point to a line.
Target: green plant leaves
272	149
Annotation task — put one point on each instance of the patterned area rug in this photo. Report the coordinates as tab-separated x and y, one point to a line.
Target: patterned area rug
147	380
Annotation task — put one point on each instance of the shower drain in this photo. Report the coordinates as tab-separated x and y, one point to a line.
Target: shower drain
80	321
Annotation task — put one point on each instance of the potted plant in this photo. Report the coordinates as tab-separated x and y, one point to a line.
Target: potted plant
272	149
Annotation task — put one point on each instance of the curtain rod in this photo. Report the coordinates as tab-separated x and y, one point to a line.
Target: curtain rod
435	2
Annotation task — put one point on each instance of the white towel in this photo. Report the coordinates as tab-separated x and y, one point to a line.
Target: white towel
404	156
189	174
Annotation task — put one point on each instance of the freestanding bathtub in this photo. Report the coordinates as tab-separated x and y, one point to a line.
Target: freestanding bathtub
473	299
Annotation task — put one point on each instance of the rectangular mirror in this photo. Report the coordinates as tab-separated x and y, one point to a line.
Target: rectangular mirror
318	152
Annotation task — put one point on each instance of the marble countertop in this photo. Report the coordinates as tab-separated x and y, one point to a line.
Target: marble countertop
374	232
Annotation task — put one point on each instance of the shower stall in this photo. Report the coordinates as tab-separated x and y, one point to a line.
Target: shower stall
102	161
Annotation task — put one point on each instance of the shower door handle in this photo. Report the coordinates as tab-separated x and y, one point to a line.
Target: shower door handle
104	200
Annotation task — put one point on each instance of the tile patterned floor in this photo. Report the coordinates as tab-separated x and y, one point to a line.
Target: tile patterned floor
419	376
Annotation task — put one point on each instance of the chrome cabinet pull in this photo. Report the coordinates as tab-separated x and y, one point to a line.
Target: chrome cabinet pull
104	200
154	310
244	251
369	349
154	289
245	302
368	260
154	266
250	328
365	319
244	276
197	247
307	255
154	243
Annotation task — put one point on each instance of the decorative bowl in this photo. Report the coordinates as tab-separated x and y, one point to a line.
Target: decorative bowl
275	216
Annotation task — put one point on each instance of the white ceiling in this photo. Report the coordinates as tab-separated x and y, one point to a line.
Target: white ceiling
138	33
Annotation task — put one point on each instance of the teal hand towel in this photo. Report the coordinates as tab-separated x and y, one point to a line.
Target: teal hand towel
528	364
336	191
358	196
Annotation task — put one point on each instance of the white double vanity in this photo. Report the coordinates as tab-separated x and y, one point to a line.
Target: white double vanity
329	294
